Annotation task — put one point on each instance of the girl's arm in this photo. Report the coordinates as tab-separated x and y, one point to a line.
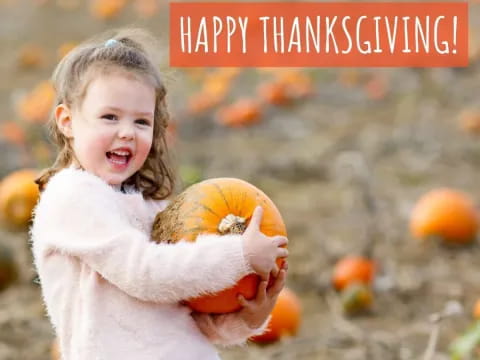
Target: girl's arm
78	216
227	329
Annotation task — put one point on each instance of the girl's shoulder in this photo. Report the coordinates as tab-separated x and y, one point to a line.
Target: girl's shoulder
75	182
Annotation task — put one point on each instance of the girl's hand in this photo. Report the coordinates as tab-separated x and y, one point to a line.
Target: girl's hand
260	250
256	311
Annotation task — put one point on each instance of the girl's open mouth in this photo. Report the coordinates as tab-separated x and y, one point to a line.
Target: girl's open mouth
119	158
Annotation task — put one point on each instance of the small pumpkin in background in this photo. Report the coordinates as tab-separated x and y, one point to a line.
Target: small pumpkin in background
18	196
352	269
285	320
8	267
476	309
243	112
446	213
469	120
275	93
218	206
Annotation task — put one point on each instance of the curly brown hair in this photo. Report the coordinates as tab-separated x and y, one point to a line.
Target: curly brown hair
132	52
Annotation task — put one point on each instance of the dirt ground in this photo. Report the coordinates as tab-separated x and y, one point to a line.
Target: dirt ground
321	161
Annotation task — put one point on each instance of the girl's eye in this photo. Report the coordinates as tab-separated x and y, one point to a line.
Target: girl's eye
143	122
109	117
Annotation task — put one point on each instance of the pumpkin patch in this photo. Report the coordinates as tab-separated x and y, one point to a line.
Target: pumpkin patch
218	206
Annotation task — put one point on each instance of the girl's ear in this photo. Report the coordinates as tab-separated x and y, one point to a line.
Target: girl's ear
63	117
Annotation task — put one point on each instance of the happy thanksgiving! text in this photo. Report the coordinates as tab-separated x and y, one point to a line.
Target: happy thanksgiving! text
319	34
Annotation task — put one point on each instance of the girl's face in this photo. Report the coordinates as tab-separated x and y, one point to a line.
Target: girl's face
112	130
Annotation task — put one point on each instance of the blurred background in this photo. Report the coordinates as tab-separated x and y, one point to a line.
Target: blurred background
344	153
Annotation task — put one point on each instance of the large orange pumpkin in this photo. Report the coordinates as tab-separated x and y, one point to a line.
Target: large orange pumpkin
447	213
218	206
285	320
18	196
352	269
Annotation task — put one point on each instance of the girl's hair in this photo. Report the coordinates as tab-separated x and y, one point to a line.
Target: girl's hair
125	50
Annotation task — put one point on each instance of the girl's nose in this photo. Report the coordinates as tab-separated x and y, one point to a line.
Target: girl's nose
126	131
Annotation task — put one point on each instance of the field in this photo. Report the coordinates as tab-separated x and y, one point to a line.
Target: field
345	166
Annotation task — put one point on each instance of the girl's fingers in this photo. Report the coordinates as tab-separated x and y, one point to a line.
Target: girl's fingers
256	218
242	301
275	271
262	291
282	252
281	240
278	284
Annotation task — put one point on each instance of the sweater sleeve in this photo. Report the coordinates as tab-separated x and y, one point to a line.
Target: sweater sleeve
77	216
227	329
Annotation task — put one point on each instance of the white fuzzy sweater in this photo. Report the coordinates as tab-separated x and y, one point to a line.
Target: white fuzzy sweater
111	293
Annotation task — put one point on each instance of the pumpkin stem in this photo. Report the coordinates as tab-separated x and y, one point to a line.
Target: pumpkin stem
232	224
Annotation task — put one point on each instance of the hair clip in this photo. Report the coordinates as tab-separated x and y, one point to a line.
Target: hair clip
111	42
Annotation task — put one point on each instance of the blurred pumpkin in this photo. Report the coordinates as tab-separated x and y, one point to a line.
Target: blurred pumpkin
8	267
202	102
476	309
243	112
274	93
218	206
13	133
356	298
31	56
446	213
285	318
106	9
470	121
352	269
147	8
36	106
18	196
298	83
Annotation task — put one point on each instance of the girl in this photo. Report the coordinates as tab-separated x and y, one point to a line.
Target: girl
109	291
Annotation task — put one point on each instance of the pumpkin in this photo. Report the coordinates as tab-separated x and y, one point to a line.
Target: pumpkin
470	121
13	133
147	8
8	268
106	9
352	269
35	107
476	309
31	56
445	213
274	93
356	298
219	206
243	112
285	318
18	196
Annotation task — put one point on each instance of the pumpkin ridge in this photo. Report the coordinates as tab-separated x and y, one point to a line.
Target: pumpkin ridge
219	189
203	206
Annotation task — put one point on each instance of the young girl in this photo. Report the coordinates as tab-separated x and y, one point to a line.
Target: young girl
109	291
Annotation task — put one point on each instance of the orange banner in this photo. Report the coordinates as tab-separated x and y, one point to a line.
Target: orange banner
400	34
